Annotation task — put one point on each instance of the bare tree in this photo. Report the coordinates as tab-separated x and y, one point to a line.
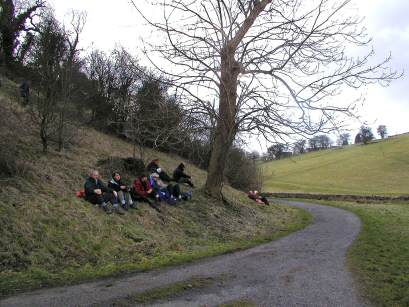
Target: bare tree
262	67
100	69
382	131
343	139
70	62
48	54
319	142
14	17
275	151
299	146
366	134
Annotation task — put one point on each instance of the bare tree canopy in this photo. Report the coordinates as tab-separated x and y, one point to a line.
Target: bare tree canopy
269	67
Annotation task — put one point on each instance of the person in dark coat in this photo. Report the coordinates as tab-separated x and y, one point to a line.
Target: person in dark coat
122	190
97	193
143	191
153	167
180	176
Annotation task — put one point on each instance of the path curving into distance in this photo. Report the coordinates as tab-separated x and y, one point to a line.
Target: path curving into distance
306	268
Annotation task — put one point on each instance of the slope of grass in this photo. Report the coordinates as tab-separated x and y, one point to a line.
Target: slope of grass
49	237
379	258
381	168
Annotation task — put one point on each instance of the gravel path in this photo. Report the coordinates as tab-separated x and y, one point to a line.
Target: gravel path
306	268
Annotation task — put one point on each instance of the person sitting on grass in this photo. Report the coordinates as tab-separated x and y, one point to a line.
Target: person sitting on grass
143	191
166	191
257	198
122	190
180	176
97	193
153	167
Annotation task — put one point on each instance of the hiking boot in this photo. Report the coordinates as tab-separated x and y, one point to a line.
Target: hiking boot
107	210
118	210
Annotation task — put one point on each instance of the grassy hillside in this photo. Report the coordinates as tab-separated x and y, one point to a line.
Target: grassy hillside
49	237
380	168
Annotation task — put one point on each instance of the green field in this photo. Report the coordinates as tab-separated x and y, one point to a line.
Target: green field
379	168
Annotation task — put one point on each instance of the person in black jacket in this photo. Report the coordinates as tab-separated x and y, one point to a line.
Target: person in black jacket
180	176
97	193
122	190
153	167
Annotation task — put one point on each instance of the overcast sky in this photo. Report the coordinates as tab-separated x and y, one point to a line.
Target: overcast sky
386	21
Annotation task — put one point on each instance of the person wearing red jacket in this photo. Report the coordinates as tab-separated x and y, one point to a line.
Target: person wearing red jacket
142	191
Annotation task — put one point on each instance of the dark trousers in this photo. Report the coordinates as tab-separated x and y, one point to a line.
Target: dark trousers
101	199
186	180
174	190
151	200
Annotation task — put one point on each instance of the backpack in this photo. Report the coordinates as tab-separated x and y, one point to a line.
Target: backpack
80	193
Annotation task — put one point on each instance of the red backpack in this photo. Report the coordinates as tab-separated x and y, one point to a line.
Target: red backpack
80	193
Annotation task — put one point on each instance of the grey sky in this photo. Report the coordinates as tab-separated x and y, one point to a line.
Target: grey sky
386	20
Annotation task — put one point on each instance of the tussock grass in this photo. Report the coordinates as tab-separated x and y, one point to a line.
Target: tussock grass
49	237
380	168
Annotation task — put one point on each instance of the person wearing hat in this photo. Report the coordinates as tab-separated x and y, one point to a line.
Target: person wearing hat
180	176
153	167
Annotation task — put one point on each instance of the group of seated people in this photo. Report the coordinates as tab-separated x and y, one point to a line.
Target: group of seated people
153	189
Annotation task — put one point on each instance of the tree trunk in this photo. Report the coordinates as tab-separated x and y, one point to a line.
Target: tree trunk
44	138
226	126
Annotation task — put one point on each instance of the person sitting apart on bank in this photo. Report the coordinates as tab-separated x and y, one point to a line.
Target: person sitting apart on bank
257	198
143	191
97	193
122	190
153	167
180	176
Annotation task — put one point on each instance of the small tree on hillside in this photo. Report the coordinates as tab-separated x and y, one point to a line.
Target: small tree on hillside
48	55
299	147
382	131
366	134
70	65
319	142
275	151
343	139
